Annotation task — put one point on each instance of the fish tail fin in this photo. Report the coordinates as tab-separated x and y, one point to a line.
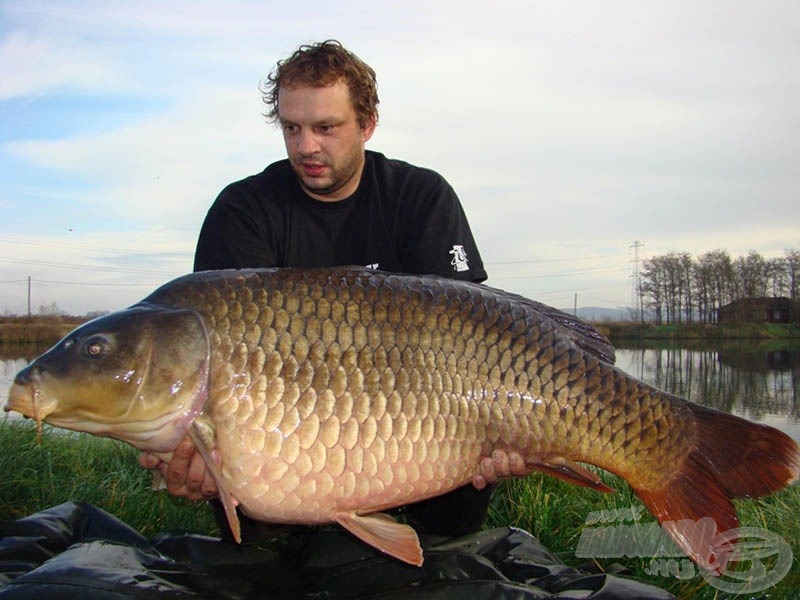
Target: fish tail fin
732	458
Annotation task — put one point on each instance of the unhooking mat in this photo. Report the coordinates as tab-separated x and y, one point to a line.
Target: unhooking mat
76	550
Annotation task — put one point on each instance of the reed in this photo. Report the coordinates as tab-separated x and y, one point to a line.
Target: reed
38	331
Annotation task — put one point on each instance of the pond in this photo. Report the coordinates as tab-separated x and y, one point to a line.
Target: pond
754	380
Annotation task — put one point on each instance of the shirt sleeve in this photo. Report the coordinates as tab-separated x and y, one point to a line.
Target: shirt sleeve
438	238
235	233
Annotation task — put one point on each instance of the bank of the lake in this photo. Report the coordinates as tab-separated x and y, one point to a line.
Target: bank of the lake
629	330
36	330
48	330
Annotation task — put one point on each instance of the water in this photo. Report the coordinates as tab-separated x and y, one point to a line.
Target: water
752	380
12	360
755	380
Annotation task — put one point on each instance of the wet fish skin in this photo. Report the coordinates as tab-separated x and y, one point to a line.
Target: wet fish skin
334	394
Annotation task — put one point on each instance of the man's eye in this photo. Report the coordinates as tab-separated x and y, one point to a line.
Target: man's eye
289	128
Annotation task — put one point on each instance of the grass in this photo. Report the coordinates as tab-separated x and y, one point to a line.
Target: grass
105	473
631	330
79	467
556	512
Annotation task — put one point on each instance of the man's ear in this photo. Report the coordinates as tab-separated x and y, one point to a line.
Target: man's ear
368	130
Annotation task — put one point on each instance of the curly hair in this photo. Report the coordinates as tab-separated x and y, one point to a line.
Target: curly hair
321	65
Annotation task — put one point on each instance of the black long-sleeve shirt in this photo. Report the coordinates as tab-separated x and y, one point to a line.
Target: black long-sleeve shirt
402	218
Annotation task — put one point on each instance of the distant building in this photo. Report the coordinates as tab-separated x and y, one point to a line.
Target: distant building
760	310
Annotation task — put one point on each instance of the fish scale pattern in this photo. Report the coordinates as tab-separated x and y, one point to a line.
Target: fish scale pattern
340	390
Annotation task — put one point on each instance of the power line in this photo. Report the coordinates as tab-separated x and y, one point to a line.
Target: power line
60	265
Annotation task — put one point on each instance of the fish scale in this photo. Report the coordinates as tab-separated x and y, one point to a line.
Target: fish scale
416	339
369	389
334	394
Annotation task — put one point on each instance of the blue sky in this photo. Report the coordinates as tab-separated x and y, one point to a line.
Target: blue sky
569	130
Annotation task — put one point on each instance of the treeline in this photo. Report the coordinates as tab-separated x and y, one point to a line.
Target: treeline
677	288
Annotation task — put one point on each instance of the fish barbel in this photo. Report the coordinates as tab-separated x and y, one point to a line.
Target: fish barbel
332	395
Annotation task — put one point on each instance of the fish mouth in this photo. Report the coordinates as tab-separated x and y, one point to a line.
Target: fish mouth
27	400
158	434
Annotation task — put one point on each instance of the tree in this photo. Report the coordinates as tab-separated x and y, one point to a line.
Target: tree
792	266
678	288
751	274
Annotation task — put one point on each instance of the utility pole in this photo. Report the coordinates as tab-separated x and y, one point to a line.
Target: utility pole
636	289
29	296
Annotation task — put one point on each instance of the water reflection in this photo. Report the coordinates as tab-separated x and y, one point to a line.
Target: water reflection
756	381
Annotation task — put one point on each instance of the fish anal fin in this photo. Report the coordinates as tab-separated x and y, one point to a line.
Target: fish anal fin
384	533
198	435
570	471
731	458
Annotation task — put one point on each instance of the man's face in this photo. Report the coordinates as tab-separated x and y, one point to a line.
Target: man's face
323	139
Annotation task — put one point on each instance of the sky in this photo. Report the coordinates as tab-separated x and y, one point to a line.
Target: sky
581	136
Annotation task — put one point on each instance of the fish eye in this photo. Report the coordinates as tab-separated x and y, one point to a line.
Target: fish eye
95	347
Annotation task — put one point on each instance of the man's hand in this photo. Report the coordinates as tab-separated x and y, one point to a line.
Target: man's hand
501	464
185	474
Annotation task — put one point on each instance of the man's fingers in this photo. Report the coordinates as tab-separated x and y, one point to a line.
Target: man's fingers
500	462
178	467
517	465
199	483
500	465
486	475
149	461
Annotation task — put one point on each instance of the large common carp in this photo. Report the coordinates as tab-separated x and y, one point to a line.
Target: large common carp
335	394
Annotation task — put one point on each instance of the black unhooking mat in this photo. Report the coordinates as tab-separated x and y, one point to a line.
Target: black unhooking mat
76	550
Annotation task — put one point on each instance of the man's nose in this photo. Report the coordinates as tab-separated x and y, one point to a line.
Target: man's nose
307	143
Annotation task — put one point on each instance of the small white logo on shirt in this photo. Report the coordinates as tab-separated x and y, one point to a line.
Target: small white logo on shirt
459	261
373	266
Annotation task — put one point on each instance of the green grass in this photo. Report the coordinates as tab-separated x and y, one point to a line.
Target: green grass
556	512
630	330
78	467
106	473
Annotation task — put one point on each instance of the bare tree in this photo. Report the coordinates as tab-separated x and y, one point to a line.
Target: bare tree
679	289
652	287
792	266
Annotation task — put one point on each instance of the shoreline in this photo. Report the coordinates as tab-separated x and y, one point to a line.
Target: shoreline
48	330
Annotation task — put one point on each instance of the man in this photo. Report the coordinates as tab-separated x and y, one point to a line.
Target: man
331	202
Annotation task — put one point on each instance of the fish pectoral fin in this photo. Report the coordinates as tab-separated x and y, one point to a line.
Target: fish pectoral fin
228	502
384	533
570	471
159	483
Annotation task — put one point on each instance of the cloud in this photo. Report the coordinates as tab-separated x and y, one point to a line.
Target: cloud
34	65
569	130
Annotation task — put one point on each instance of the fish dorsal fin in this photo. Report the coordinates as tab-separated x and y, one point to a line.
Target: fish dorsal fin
570	471
384	533
228	501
